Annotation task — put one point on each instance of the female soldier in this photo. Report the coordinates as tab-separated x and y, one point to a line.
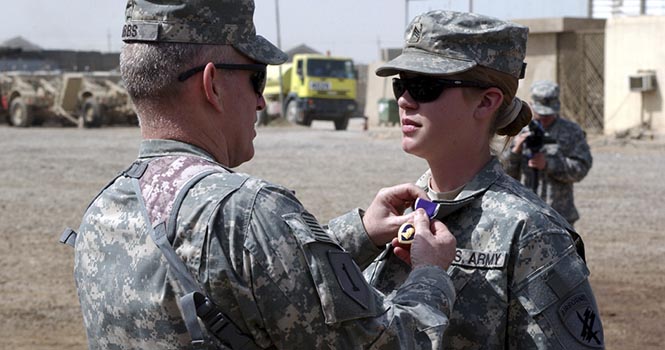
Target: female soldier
519	280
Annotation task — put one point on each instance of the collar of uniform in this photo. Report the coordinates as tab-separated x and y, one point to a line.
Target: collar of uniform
478	184
483	179
159	148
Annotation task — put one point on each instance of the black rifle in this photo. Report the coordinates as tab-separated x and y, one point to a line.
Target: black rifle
535	143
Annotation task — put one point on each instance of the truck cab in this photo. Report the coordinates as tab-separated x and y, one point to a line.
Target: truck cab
314	87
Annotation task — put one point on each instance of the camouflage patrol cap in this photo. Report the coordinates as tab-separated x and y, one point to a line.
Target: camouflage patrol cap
545	97
448	42
214	22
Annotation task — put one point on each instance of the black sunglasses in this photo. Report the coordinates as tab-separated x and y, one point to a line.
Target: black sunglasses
258	78
426	89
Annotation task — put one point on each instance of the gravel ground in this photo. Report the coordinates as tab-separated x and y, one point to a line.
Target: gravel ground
48	175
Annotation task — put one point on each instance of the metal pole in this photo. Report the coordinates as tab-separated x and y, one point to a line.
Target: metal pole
470	6
279	45
406	13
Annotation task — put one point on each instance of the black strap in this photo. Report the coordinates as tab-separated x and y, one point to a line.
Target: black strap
68	237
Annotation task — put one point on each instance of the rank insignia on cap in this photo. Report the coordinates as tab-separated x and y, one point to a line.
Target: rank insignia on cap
416	33
430	208
406	233
582	321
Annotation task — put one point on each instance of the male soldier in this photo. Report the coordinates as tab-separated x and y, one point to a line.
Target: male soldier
564	158
239	254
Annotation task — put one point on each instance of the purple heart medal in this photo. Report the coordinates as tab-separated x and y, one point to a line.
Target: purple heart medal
407	232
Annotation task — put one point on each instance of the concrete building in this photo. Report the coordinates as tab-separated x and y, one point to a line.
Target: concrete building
634	66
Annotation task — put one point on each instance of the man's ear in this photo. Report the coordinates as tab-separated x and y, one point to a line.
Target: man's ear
212	91
489	103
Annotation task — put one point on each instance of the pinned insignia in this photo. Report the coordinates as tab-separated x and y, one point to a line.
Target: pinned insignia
416	33
581	319
406	233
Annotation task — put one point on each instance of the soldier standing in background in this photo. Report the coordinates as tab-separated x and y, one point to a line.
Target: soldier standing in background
561	160
179	237
520	282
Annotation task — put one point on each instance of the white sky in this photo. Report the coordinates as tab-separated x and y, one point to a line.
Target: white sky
354	28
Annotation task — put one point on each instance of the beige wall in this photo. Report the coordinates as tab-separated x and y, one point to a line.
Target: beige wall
541	61
633	44
377	88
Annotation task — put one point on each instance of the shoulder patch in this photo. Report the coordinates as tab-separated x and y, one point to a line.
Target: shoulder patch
349	277
580	317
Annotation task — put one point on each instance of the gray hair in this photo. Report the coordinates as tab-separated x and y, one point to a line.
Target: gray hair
150	70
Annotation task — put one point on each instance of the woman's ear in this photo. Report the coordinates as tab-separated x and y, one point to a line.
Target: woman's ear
213	93
489	103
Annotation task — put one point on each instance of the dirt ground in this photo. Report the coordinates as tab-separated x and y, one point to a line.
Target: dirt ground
48	175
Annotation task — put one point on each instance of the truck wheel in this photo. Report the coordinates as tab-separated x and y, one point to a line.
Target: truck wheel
90	114
19	114
342	124
292	112
262	118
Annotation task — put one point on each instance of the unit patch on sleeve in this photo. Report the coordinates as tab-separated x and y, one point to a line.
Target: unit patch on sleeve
580	318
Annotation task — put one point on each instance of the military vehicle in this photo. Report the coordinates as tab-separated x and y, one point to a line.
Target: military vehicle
81	99
26	98
103	100
314	87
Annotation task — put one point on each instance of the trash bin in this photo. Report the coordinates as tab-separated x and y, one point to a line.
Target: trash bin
388	112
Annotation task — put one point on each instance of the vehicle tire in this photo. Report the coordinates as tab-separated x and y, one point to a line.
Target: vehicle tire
262	118
91	114
19	114
342	124
292	112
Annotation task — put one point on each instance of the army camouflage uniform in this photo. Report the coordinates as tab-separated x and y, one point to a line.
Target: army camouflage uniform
262	258
519	281
567	153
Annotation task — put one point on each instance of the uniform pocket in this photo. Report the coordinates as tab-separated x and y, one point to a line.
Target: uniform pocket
560	300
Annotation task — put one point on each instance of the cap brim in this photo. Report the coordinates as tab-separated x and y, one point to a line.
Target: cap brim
262	50
422	62
543	110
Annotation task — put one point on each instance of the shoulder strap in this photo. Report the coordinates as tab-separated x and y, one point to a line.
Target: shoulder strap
195	304
135	170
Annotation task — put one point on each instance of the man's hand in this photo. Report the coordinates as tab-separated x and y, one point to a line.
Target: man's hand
538	161
384	216
518	144
433	244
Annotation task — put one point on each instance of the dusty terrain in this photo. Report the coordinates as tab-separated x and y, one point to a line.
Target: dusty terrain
48	175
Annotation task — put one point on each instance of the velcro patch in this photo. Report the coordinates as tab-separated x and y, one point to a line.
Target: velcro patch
479	258
349	277
581	319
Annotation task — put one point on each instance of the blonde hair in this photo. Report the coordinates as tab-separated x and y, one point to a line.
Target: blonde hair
508	85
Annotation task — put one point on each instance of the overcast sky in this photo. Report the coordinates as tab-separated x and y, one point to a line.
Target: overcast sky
354	28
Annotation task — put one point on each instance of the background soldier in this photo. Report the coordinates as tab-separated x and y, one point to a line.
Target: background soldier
559	160
179	236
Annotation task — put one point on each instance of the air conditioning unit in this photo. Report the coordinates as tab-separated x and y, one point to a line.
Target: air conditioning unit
642	81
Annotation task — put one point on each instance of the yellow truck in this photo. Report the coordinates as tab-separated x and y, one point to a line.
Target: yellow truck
314	87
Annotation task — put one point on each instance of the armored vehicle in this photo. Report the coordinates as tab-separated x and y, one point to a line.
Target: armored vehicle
81	99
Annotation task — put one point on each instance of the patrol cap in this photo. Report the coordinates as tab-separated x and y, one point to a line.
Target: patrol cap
545	97
214	22
448	42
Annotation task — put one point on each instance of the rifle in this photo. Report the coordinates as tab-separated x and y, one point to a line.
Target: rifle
535	143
